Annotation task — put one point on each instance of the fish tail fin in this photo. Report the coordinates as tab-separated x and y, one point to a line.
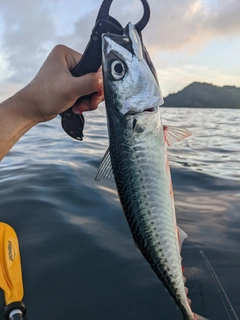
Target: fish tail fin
181	237
197	317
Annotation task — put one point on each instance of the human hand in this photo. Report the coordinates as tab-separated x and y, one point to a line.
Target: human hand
54	89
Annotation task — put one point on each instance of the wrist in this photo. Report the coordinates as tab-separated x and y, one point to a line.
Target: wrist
26	106
14	122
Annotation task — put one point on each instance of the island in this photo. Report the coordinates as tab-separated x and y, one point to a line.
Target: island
204	95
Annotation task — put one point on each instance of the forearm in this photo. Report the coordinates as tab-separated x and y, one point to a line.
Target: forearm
14	122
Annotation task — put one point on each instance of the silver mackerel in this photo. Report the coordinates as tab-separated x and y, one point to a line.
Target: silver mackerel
137	158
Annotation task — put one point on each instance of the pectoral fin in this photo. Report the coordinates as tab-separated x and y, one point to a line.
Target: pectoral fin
105	169
174	134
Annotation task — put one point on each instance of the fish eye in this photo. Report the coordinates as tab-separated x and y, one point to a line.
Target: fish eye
118	69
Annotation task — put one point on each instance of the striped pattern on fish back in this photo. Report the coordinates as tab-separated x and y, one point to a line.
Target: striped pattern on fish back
143	182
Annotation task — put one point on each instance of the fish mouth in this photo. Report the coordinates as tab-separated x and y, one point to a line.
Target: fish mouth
152	109
148	110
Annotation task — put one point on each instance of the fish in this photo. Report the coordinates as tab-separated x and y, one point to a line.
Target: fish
137	158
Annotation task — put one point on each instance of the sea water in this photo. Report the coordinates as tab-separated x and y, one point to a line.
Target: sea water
78	257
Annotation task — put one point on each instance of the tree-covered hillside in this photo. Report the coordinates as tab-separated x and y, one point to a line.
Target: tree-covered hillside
205	95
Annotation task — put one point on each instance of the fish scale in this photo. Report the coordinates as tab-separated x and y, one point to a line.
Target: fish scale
145	198
137	159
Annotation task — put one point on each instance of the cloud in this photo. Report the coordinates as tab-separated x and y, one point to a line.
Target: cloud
175	25
29	29
80	35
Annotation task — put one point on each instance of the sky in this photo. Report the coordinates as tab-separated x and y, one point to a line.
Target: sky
188	40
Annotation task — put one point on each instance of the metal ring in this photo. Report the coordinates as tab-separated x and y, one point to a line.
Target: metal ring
146	16
104	14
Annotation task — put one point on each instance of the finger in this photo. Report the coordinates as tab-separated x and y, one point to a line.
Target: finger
67	55
97	98
88	105
80	107
73	57
87	84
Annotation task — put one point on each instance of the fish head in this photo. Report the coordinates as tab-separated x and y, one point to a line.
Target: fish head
130	83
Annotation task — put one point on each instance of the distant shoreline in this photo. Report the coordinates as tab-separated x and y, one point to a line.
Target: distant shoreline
199	95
